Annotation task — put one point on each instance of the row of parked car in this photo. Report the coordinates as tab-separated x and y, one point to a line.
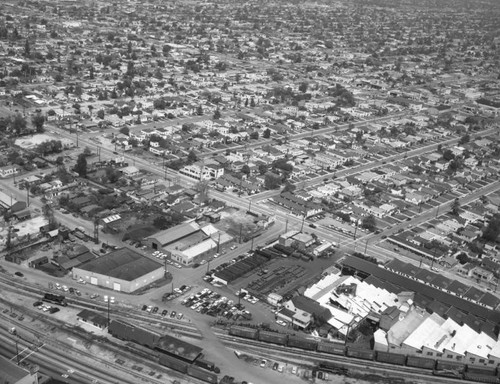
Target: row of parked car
45	307
164	313
213	304
68	289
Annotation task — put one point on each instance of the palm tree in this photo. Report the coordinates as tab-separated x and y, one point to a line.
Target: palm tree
90	107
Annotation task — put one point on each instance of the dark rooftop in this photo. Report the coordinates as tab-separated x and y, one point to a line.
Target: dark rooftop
179	348
123	264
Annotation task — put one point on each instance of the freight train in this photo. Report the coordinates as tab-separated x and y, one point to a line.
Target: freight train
437	367
200	368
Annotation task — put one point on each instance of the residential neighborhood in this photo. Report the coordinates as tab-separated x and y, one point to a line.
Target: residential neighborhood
321	176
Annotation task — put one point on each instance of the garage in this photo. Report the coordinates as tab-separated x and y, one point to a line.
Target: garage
93	280
117	286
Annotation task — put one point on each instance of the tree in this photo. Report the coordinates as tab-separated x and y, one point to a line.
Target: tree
199	110
217	114
369	223
303	87
81	165
266	134
492	229
18	123
254	135
202	187
463	258
448	155
48	213
455	207
125	130
289	187
272	180
100	114
192	157
245	169
112	174
263	169
38	120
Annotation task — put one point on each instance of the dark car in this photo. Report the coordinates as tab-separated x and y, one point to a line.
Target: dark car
155	309
172	314
275	366
19	274
164	313
313	225
144	307
37	303
54	310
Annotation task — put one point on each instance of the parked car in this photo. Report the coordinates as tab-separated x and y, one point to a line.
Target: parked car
172	314
144	307
164	313
19	274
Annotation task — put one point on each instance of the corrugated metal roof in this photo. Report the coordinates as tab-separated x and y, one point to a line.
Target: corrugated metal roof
429	292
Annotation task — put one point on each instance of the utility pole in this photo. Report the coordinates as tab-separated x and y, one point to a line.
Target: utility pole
356	229
27	194
366	246
303	220
241	229
218	244
109	300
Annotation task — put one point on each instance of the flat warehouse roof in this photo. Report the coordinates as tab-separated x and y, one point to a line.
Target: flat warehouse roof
123	264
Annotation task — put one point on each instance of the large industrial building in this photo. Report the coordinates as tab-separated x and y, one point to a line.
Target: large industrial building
10	373
121	270
189	243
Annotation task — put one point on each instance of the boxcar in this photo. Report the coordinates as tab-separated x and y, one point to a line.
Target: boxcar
248	333
144	337
482	378
273	337
335	368
202	374
420	362
491	371
332	348
302	343
173	363
391	358
121	330
364	354
449	365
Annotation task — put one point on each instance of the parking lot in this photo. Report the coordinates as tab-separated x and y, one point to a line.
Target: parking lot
214	304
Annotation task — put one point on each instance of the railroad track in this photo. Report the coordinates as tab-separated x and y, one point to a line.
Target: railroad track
313	358
128	314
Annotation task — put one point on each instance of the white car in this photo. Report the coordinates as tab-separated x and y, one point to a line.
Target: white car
282	323
156	253
105	298
112	300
